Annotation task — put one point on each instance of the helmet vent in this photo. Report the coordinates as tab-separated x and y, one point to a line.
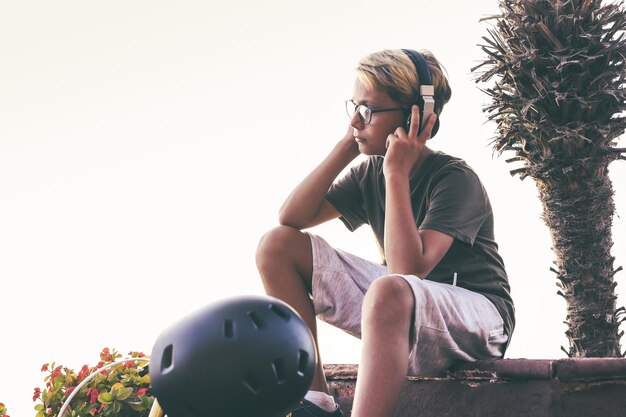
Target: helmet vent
279	370
229	329
252	384
167	360
303	360
256	320
280	312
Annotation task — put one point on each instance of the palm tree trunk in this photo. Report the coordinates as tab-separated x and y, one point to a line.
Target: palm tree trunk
579	216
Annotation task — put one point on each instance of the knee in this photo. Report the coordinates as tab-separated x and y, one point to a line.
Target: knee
277	243
390	299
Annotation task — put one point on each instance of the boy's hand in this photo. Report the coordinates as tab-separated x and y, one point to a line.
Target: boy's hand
404	149
349	144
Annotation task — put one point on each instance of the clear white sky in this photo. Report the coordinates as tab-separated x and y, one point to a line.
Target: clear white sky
145	146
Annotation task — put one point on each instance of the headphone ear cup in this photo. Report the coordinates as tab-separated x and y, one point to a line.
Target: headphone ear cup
407	124
433	132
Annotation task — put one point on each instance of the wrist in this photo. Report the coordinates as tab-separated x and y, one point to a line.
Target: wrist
348	149
396	176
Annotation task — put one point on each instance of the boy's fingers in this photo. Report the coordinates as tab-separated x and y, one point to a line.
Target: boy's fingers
388	142
432	118
415	121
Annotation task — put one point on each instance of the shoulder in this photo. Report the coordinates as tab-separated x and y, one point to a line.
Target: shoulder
444	163
454	175
370	167
451	168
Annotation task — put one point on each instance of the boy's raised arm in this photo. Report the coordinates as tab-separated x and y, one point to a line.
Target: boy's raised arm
307	206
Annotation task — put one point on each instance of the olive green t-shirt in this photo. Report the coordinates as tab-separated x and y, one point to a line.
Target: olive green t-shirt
447	196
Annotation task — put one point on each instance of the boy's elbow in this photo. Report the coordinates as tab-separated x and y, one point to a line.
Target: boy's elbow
285	220
283	217
410	268
422	272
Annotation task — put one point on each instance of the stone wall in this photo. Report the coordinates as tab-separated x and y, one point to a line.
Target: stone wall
507	387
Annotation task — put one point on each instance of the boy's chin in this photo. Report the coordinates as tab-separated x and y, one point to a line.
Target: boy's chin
370	151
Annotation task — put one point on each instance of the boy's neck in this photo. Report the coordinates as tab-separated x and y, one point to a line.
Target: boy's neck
420	161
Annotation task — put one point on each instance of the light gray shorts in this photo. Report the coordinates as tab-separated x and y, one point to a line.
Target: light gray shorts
451	323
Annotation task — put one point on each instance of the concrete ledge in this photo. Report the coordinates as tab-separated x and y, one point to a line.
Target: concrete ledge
505	369
590	368
507	387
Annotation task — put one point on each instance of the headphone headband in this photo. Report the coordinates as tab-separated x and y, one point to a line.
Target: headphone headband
420	65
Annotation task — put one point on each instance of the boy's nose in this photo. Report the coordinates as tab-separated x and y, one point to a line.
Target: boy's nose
356	121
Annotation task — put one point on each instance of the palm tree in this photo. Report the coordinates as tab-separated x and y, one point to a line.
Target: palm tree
558	100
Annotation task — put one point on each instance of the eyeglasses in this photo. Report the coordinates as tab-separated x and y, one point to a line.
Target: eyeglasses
365	112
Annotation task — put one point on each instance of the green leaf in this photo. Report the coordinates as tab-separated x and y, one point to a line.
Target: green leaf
117	386
41	414
123	393
40	407
136	406
105	397
146	401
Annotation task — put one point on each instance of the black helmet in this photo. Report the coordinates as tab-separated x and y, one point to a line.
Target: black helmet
246	356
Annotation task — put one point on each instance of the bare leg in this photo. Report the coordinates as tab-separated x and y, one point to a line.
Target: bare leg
285	261
388	310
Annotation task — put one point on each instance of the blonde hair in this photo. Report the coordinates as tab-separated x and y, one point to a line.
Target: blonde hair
393	72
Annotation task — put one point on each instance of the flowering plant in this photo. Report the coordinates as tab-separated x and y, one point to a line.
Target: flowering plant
121	390
3	411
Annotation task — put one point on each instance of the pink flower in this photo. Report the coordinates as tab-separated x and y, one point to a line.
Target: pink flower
69	391
36	394
93	397
45	366
84	371
106	355
56	372
141	391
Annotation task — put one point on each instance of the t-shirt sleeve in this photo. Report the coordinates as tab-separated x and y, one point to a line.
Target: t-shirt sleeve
347	197
458	205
